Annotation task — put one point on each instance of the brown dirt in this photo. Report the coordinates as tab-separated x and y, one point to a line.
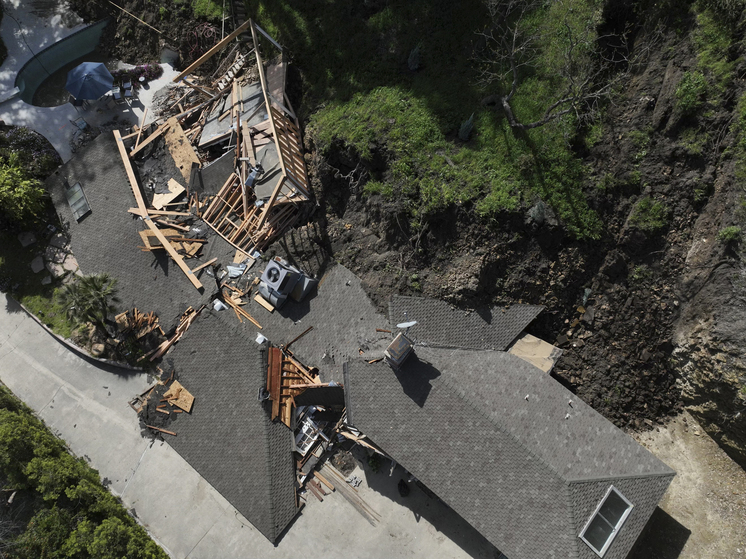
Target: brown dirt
703	513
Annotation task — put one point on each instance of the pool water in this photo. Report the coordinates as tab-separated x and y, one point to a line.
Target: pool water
52	93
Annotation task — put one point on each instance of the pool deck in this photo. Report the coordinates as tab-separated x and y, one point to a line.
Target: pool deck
55	123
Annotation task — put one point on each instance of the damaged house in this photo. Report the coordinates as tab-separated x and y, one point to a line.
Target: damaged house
284	368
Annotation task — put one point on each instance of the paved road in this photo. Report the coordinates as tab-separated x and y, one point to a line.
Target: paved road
86	405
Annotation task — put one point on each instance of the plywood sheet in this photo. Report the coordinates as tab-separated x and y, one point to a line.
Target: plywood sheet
184	398
174	191
180	148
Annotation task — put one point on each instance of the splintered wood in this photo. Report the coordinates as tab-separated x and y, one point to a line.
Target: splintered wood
283	373
186	321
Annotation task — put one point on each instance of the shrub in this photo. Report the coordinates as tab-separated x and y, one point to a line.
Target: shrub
649	216
21	197
207	9
690	92
729	234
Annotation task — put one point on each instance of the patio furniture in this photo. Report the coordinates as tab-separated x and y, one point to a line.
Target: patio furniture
127	85
80	123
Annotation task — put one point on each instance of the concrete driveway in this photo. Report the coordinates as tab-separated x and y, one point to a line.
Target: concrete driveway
86	405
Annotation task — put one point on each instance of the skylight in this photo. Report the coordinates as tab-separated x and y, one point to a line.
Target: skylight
606	521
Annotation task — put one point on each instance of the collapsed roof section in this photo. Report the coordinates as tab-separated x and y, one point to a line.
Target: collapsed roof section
230	438
262	170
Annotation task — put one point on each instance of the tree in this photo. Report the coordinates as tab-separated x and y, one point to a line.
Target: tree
89	299
21	197
555	42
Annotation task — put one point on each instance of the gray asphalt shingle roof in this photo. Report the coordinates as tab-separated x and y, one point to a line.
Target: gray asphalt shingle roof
107	240
441	325
515	469
229	437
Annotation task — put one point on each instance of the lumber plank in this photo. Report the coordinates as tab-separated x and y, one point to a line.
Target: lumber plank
131	174
160	430
315	492
323	480
142	125
263	302
198	268
210	53
175	255
136	211
154	136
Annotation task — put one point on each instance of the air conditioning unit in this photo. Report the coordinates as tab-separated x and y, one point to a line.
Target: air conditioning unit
280	280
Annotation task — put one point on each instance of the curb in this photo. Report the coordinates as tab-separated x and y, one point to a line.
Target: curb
77	349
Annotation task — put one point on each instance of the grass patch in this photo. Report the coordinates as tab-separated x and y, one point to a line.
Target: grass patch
360	93
649	216
729	234
713	39
691	92
207	9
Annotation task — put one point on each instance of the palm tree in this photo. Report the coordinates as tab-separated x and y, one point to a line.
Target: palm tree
89	299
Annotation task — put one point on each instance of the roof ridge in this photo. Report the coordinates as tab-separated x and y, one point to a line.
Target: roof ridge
461	394
593	479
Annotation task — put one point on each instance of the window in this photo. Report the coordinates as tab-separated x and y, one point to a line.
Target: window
606	521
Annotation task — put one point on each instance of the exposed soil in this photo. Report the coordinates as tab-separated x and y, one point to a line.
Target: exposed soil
703	513
621	308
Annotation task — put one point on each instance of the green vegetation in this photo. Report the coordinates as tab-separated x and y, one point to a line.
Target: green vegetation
640	141
73	515
210	10
713	40
21	196
359	95
729	234
89	299
640	273
649	216
690	93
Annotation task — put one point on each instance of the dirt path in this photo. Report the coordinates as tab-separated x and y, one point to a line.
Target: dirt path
703	514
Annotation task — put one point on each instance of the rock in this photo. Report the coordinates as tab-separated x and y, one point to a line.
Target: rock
47	280
37	264
589	315
27	239
97	350
58	241
614	265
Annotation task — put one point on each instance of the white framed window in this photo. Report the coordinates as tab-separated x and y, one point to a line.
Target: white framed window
606	521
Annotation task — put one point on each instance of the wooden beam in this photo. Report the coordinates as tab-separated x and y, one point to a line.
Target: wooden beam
263	32
172	252
142	125
161	430
205	265
136	211
155	135
197	88
131	175
210	53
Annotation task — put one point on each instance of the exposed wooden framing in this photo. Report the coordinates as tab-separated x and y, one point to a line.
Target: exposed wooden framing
131	175
210	53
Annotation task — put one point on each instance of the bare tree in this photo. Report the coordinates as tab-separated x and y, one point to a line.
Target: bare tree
516	46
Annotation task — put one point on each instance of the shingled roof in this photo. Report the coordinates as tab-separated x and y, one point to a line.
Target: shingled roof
516	469
229	437
441	325
107	240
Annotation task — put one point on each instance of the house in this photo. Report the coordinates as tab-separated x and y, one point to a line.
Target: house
534	469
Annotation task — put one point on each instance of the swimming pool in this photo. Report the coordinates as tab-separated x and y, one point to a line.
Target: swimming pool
41	80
